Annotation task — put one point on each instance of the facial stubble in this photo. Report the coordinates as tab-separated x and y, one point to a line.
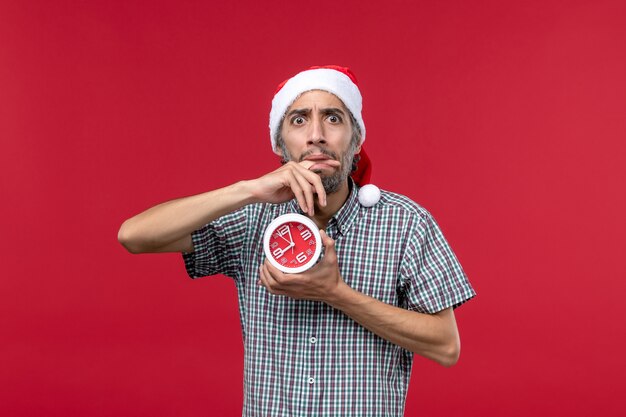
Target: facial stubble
331	182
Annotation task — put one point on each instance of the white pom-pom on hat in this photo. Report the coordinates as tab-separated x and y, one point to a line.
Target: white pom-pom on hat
369	195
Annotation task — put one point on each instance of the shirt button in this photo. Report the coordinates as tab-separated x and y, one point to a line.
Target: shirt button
311	381
313	339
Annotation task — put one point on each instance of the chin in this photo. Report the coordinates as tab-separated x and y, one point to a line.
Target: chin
332	183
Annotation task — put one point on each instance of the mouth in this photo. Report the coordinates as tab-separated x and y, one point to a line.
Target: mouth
320	167
322	162
318	157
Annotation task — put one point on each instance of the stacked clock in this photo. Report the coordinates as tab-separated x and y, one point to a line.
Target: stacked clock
292	243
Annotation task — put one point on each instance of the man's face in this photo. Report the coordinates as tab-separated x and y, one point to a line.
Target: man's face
317	126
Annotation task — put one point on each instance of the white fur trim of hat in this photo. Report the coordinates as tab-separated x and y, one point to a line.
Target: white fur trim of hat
334	80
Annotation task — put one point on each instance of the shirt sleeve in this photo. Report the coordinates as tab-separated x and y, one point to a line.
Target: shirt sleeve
431	276
218	247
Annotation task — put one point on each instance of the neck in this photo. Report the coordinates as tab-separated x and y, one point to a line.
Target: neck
334	202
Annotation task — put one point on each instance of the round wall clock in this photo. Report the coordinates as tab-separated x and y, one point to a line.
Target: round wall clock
292	243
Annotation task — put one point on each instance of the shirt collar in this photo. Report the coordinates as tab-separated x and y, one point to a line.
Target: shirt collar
346	215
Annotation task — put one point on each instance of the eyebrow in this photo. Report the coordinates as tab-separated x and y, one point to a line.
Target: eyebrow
327	110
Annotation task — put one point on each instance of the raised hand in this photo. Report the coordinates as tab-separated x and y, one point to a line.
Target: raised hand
294	179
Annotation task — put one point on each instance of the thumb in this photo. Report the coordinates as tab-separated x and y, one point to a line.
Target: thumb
329	244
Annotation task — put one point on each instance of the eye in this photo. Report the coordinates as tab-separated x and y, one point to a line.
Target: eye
333	118
298	120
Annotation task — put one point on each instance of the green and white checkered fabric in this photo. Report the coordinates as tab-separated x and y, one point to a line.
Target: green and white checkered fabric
304	358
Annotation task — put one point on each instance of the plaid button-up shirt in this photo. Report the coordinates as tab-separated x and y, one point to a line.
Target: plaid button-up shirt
305	358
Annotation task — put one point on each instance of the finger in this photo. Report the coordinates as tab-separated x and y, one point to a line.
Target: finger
311	183
297	191
326	240
272	273
307	164
321	192
262	278
275	276
281	282
329	247
307	189
267	280
316	181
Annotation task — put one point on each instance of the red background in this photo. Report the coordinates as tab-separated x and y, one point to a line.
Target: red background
505	119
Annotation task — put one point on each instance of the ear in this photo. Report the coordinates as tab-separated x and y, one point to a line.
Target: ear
278	152
358	150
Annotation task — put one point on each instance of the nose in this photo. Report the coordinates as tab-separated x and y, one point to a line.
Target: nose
316	135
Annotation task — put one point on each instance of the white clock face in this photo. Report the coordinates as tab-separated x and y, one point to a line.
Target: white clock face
292	243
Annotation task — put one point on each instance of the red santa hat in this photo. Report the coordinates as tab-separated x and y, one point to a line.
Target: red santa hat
341	82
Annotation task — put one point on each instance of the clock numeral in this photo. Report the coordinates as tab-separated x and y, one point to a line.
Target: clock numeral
283	261
311	242
274	245
306	234
282	230
278	252
301	257
309	252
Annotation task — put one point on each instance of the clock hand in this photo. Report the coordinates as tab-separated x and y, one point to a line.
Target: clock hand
280	252
289	231
291	238
288	241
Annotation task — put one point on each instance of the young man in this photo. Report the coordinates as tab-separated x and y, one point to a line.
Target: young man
337	339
